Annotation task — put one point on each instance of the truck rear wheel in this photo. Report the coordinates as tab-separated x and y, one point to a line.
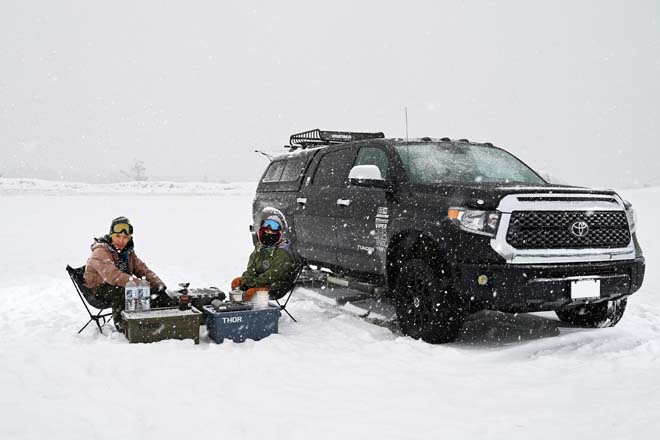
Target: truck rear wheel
426	307
600	315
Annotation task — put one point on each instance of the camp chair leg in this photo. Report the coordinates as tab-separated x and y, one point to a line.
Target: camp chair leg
283	307
290	316
85	326
99	316
96	321
99	325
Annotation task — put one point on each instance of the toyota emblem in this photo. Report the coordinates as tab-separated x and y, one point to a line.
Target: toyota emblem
579	229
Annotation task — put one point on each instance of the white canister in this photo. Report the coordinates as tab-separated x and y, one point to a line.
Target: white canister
260	299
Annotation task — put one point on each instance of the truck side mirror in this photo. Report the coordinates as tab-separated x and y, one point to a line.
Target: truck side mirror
367	176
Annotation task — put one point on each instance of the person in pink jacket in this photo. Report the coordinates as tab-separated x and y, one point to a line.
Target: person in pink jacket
113	263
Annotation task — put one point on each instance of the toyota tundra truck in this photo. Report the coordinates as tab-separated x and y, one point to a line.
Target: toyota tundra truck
449	227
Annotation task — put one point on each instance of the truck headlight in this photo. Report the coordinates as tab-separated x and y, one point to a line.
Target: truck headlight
477	222
631	215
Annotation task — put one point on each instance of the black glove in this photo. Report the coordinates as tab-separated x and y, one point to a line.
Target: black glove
162	298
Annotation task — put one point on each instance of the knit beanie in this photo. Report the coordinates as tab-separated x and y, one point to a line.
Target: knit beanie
121	225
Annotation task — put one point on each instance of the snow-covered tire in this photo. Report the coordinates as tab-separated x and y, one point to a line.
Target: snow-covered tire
426	307
601	315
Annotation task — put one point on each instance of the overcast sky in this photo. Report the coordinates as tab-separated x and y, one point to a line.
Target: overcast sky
192	88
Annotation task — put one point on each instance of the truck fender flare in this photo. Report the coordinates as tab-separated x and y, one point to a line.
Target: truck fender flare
406	245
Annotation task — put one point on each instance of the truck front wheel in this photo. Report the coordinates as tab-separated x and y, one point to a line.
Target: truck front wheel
600	315
426	307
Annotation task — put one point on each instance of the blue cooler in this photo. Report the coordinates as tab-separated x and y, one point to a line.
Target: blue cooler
242	324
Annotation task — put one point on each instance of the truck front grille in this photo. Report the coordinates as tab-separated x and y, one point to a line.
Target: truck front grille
565	230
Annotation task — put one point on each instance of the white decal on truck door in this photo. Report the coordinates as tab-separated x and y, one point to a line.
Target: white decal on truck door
380	231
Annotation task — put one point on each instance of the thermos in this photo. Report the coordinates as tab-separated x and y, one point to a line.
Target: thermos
184	302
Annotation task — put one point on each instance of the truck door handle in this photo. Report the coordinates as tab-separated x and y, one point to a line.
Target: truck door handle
343	202
301	200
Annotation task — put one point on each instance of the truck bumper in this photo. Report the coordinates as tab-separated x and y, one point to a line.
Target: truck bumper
533	288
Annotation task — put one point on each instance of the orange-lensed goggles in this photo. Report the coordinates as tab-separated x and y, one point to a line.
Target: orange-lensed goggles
123	228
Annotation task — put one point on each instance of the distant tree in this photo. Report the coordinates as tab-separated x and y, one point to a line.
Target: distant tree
138	172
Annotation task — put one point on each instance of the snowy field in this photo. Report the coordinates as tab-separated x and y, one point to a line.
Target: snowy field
332	375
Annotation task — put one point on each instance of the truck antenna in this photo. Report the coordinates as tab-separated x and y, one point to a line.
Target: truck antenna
407	146
406	111
265	154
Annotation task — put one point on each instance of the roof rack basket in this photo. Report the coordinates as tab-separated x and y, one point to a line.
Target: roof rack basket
316	137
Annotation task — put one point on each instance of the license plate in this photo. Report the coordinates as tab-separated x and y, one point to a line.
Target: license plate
585	289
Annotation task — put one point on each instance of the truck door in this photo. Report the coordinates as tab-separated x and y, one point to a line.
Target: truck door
316	210
363	217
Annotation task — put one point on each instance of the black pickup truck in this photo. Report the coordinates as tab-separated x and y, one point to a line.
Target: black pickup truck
450	227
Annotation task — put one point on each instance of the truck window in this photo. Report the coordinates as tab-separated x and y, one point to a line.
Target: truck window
436	163
274	171
293	168
333	169
373	156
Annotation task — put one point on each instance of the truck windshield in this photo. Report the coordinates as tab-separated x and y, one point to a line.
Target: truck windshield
443	162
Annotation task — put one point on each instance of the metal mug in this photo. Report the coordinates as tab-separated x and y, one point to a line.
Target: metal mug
236	295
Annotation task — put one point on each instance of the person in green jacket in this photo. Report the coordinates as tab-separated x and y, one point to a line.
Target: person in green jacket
271	264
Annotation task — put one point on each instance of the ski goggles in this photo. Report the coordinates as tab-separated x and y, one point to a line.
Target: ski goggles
123	228
272	224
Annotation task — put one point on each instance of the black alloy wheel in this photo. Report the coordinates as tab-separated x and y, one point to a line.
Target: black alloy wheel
426	307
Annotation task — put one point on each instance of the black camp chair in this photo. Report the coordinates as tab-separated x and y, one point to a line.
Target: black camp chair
88	299
277	295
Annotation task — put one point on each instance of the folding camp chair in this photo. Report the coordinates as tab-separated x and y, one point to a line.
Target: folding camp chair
88	299
288	290
283	306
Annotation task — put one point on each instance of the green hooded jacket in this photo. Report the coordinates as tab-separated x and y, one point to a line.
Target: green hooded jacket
268	267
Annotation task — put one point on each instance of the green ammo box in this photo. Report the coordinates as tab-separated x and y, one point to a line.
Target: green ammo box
163	323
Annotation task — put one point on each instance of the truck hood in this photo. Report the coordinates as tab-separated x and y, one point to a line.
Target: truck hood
487	196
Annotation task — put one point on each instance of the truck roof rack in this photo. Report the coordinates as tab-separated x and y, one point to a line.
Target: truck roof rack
316	137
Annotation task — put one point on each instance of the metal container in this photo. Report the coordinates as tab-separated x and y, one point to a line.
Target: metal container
236	295
163	323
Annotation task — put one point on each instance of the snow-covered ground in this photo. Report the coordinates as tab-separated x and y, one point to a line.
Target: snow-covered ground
10	186
332	375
